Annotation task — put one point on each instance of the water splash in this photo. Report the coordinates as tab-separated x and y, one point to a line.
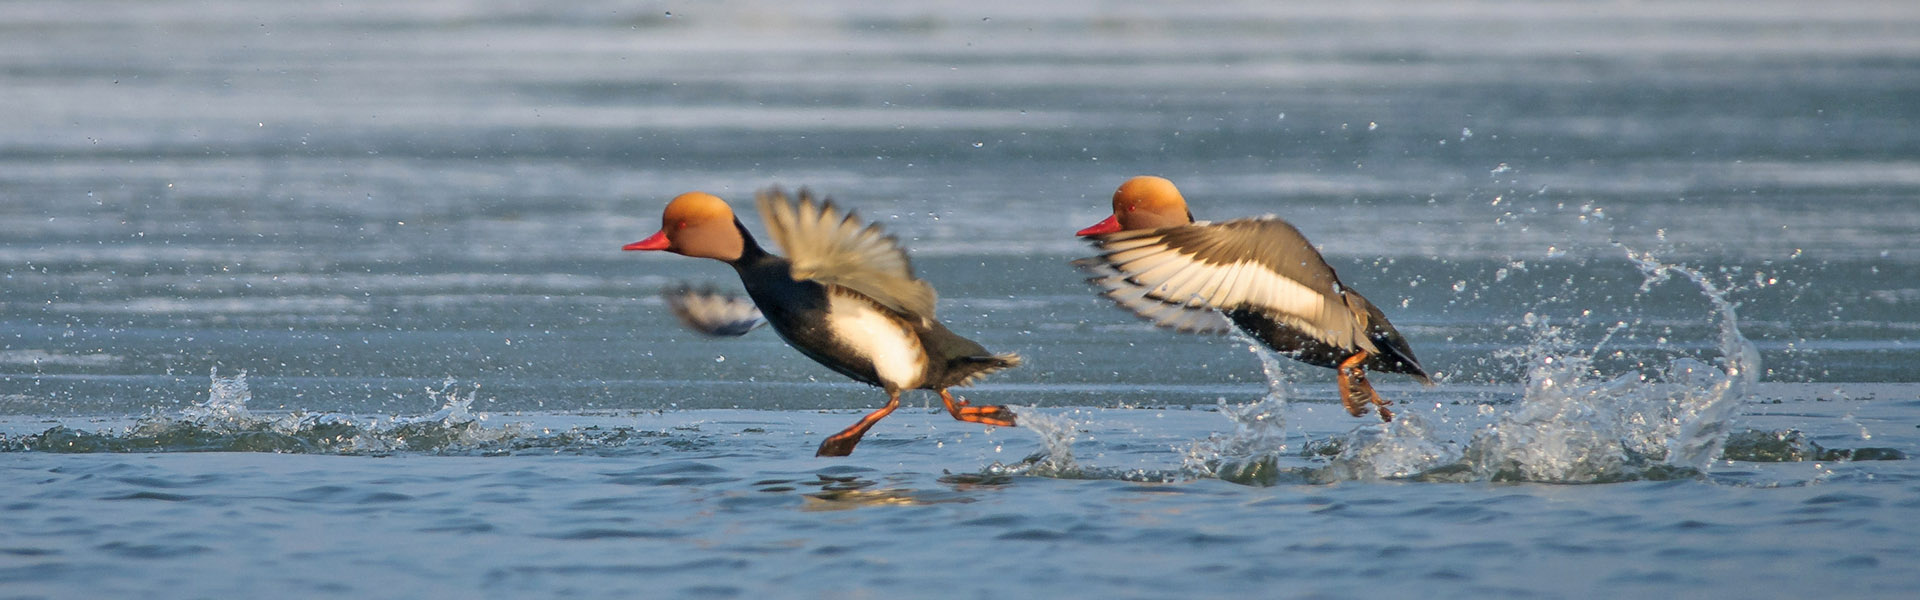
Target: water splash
1248	453
227	399
1403	448
454	408
1575	425
1057	434
1706	417
1277	390
454	426
222	423
1572	424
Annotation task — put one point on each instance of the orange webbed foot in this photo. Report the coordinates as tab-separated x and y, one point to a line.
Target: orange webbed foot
839	445
1356	392
1364	390
998	416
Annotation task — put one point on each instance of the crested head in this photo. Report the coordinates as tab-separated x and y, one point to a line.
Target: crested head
1148	202
696	207
696	224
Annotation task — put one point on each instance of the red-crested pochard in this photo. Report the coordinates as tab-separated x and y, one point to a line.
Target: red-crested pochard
1258	274
845	296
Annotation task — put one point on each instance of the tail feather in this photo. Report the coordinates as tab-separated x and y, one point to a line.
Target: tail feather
1397	357
968	369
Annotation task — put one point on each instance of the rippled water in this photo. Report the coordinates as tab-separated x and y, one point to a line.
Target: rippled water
1664	250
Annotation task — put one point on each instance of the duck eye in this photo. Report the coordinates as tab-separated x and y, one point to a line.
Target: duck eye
682	224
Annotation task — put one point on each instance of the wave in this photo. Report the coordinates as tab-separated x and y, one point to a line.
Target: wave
222	423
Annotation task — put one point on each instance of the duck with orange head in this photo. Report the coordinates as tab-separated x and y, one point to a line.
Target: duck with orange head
845	296
1258	275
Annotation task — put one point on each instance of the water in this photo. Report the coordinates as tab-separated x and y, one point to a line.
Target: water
326	300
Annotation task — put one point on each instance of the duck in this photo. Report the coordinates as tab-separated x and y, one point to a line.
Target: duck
1257	275
845	295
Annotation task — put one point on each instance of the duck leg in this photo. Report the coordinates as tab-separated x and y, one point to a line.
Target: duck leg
1355	392
841	444
997	416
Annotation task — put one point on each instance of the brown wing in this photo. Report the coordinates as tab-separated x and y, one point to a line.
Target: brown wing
836	248
1264	264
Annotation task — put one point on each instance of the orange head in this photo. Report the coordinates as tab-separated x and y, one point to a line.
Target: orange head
696	224
1144	202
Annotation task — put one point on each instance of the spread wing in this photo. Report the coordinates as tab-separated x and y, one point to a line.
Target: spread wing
833	247
1179	316
1180	277
709	312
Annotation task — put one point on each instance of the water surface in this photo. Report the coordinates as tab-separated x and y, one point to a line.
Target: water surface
397	219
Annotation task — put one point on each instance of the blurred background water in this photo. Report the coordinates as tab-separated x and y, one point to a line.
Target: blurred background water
354	202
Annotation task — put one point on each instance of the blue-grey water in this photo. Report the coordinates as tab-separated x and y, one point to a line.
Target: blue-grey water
325	299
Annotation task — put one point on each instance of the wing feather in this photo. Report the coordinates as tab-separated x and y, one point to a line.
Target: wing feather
1134	253
1184	285
709	312
1221	288
833	247
1196	318
1258	264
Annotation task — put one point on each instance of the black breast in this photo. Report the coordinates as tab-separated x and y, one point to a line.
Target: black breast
797	310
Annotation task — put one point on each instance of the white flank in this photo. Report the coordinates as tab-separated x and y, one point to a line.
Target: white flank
896	354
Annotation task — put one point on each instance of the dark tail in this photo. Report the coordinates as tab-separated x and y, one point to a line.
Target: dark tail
1395	355
967	369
